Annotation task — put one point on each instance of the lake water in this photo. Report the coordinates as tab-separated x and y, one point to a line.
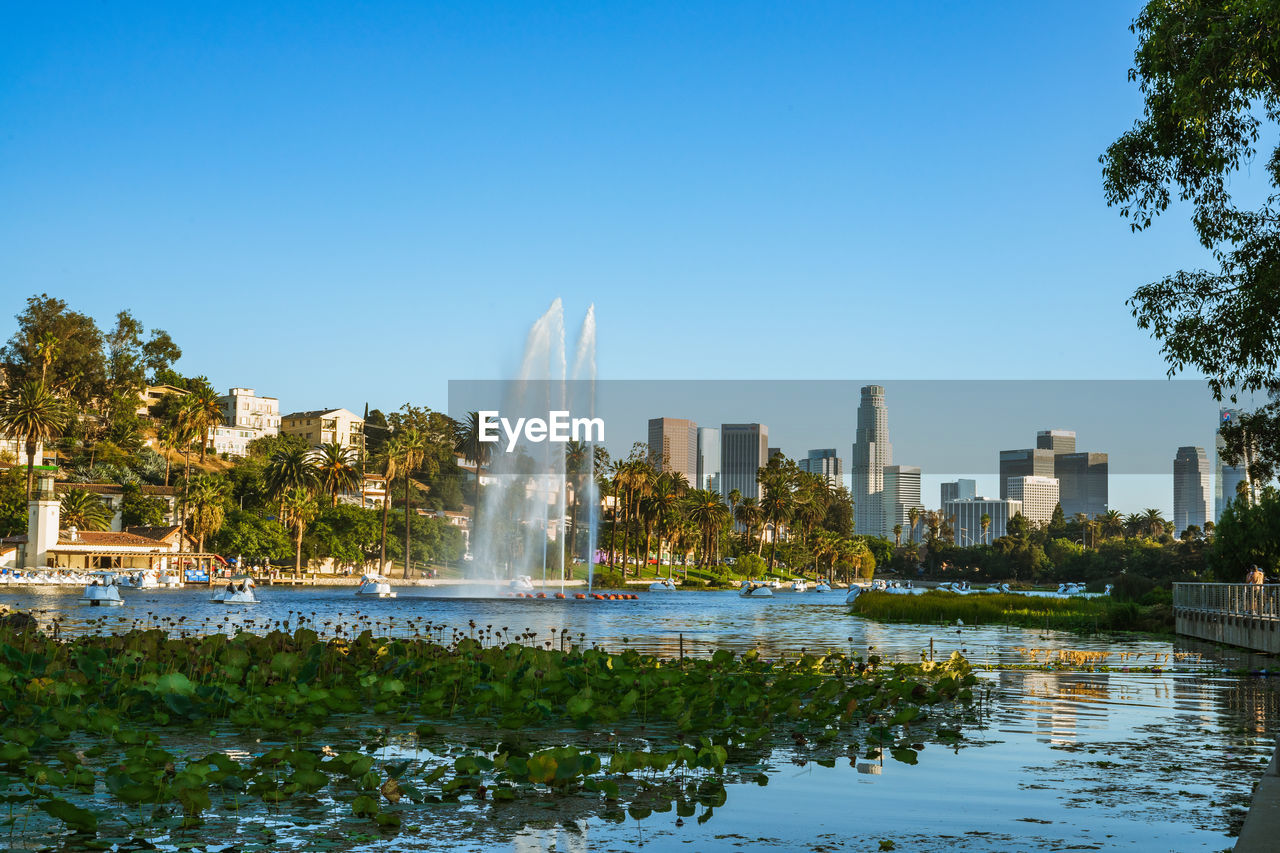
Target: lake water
1056	760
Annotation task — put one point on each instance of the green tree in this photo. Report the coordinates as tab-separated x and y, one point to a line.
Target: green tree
13	503
82	509
138	510
335	468
288	470
1205	70
207	497
411	445
57	348
299	509
256	539
34	415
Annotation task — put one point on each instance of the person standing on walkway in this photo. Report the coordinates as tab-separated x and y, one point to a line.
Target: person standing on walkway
1255	579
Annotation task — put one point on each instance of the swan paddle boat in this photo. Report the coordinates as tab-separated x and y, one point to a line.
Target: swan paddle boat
822	586
798	585
755	589
103	591
667	585
239	590
375	586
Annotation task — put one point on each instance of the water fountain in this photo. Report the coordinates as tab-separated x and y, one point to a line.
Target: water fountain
521	529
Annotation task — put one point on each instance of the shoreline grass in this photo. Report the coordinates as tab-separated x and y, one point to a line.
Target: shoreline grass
1079	615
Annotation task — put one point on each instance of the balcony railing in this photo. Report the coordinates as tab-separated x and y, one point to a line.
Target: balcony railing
1228	599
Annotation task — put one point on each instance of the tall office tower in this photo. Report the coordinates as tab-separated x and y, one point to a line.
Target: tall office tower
826	464
673	445
1057	440
901	494
1082	481
1227	478
1039	496
774	451
1031	462
744	450
966	518
960	490
1192	479
708	458
871	453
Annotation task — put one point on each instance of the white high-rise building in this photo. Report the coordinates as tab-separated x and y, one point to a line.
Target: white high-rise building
901	495
826	464
1192	480
1039	496
872	452
966	518
709	458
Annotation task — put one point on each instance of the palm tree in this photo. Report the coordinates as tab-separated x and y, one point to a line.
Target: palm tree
413	449
985	521
748	514
662	504
288	469
386	460
778	505
207	495
897	534
83	510
299	510
1134	524
708	511
1154	522
47	349
913	515
32	413
466	440
205	413
578	457
335	467
1112	523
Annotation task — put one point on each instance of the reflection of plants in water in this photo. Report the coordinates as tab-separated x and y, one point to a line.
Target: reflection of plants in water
134	703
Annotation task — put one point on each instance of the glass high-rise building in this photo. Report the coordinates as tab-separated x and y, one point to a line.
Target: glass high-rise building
673	445
709	458
1227	478
826	464
901	495
960	490
872	452
1192	480
1057	440
1029	462
744	450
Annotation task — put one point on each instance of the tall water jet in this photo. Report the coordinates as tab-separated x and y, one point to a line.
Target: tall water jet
525	500
584	374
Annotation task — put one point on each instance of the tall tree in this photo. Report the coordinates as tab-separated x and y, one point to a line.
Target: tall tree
299	510
33	414
1206	70
412	446
61	348
289	468
207	497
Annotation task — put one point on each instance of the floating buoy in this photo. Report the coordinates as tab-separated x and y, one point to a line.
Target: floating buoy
580	595
559	595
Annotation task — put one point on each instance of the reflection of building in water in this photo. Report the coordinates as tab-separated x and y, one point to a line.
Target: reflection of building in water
559	839
1251	702
1052	703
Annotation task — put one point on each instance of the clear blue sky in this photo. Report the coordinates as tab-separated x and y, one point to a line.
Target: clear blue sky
337	203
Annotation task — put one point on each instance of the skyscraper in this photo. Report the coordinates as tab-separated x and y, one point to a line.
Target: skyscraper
1039	496
1227	478
1057	440
744	450
1030	462
901	495
1191	484
871	453
1082	480
826	464
708	458
959	490
673	445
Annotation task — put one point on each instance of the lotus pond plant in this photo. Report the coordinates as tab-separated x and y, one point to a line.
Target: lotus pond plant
112	740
